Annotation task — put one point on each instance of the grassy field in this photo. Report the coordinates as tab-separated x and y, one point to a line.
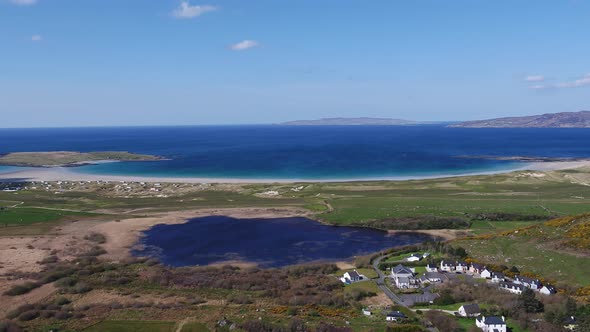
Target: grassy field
26	216
133	326
194	327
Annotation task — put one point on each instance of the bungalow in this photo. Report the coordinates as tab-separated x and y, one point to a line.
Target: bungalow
469	310
531	283
414	258
547	290
485	273
512	287
447	266
433	277
431	267
461	267
352	276
491	324
498	277
395	316
403	277
475	268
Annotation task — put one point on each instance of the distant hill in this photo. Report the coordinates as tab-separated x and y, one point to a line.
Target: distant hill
352	122
551	120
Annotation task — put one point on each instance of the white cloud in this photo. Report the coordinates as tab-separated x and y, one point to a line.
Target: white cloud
579	82
582	81
36	38
244	45
24	2
186	10
535	78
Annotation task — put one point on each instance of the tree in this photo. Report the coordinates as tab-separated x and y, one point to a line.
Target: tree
529	303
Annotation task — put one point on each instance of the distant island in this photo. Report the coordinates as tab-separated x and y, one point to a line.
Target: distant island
551	120
69	158
364	121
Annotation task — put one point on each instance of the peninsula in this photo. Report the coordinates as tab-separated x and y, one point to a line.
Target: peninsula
551	120
69	158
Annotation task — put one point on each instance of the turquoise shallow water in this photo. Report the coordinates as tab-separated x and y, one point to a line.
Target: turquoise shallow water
290	152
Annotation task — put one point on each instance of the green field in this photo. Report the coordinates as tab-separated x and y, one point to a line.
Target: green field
133	326
194	327
21	216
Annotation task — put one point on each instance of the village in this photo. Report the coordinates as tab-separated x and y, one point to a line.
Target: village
412	286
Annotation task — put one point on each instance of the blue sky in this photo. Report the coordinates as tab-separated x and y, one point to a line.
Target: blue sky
168	62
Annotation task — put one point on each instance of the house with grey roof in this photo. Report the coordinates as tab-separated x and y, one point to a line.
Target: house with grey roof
395	316
469	310
534	284
547	290
447	266
498	277
512	287
352	276
491	324
403	277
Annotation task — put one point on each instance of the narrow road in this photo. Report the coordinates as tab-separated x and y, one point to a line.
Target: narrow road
381	283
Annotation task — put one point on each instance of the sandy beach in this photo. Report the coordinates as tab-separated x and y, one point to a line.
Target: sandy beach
69	174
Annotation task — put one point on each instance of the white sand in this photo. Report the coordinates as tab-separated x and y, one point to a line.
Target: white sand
68	174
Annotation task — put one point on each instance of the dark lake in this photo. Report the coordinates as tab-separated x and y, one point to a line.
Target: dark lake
267	242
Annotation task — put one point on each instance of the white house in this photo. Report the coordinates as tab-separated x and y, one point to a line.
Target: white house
431	268
461	267
485	273
547	290
534	284
491	324
414	258
447	266
498	277
403	277
469	310
475	268
512	287
395	316
352	276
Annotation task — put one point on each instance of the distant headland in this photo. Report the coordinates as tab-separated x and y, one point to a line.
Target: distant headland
551	120
69	158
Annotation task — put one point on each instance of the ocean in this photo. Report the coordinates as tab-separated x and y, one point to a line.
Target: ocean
304	152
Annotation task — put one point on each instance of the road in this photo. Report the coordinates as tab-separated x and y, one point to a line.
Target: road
381	283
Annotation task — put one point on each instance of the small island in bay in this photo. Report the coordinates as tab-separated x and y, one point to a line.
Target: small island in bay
69	158
551	120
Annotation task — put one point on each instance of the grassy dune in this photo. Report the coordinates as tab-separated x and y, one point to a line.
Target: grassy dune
64	158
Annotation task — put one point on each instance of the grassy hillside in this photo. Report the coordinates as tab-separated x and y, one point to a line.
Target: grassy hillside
557	250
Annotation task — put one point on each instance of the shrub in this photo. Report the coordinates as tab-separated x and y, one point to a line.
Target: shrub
62	301
62	315
96	238
22	288
8	326
28	315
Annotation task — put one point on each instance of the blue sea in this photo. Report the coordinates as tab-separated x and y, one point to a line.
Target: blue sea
303	152
267	242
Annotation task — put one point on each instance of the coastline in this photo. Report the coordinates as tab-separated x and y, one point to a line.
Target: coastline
66	174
